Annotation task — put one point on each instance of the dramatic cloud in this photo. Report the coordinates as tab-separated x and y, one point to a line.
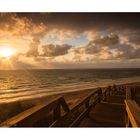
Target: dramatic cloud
12	24
107	48
134	38
52	50
18	32
96	45
69	40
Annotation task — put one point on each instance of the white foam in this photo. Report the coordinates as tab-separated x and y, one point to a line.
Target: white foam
65	88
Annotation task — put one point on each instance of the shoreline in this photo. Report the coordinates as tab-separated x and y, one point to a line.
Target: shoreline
43	93
65	94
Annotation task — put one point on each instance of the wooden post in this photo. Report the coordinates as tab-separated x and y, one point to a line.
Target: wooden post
124	90
133	93
64	105
128	93
57	112
104	96
119	90
100	94
87	106
114	89
109	90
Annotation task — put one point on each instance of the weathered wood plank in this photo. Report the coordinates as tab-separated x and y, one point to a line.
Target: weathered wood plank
57	112
82	115
64	104
100	94
31	115
106	93
133	112
128	92
64	118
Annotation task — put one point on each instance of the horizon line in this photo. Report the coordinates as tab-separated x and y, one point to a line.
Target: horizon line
65	69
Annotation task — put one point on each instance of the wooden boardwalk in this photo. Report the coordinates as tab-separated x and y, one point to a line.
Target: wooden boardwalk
114	106
110	113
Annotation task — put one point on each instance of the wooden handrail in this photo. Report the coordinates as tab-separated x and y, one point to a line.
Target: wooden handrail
133	113
105	93
101	96
67	119
29	116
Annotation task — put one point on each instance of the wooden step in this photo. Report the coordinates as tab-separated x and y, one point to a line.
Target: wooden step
105	115
116	99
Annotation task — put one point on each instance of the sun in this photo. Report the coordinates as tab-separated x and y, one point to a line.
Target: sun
6	52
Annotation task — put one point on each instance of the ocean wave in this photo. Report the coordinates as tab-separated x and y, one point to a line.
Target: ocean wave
28	93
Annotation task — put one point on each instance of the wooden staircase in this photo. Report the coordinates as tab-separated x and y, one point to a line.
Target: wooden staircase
109	107
106	114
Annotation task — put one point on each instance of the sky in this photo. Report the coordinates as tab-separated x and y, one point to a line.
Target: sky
69	40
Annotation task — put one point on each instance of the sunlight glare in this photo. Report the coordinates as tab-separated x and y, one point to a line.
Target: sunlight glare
6	52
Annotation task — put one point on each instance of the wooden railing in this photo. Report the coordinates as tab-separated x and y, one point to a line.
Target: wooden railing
82	108
133	113
34	114
58	110
135	93
74	117
132	118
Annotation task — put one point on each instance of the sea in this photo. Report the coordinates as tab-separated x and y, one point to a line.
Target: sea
28	84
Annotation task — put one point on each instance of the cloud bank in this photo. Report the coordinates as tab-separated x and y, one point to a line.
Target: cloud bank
60	40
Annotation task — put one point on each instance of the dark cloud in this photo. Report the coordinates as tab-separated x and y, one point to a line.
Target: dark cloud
85	21
52	50
96	45
100	21
134	38
111	39
126	51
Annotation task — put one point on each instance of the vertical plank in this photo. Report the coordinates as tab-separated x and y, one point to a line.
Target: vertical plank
87	103
57	112
109	90
105	95
64	104
115	89
128	93
133	93
100	94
